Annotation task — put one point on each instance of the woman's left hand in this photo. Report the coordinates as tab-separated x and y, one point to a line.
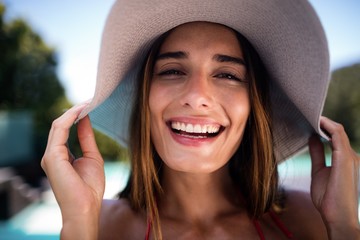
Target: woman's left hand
334	189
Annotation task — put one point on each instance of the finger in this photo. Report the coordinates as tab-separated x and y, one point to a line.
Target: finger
342	153
87	139
337	133
317	154
70	154
59	132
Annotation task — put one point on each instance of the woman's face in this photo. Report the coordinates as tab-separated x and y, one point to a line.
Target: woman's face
199	98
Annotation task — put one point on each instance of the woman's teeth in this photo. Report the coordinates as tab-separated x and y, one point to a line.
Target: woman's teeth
195	128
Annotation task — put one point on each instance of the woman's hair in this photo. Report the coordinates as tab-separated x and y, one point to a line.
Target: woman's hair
252	168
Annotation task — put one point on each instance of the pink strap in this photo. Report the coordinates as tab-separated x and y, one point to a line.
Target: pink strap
282	227
258	229
148	230
278	223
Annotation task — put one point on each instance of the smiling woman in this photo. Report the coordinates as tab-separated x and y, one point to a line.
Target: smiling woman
209	102
194	90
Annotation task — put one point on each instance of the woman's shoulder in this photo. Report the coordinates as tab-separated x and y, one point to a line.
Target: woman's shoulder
301	217
118	220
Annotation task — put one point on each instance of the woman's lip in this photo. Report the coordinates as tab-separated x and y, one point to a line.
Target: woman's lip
194	139
191	141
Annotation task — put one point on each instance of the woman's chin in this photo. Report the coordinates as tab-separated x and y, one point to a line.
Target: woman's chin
195	164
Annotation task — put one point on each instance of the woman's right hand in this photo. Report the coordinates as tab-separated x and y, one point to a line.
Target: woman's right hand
78	184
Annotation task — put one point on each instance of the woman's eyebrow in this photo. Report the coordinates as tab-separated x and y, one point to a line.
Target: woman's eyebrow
217	57
226	58
176	55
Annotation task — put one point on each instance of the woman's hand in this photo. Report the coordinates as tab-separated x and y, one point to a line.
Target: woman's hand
78	184
334	189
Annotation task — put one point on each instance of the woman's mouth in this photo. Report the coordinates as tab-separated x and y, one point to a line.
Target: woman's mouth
195	131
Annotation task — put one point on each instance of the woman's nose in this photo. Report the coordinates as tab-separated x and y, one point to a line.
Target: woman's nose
197	92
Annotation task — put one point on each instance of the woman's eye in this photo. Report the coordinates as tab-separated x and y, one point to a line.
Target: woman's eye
170	72
229	77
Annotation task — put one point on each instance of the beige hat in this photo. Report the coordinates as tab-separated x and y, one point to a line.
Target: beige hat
287	34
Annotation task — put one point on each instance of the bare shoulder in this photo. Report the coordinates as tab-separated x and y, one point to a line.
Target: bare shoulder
119	221
301	216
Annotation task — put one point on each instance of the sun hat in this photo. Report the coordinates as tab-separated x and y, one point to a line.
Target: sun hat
287	35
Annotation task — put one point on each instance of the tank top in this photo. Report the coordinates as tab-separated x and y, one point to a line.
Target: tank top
256	223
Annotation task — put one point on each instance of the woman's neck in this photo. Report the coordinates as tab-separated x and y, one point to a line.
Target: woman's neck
198	197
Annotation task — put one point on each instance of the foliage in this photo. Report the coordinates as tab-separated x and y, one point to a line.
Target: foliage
29	81
343	101
28	76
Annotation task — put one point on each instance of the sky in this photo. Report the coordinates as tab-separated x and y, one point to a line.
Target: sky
74	27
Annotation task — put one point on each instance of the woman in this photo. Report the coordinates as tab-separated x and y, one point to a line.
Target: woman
211	118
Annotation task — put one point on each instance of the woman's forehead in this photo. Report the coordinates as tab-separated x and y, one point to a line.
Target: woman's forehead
201	35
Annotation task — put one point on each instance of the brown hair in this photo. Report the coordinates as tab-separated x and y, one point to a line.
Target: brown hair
144	185
252	168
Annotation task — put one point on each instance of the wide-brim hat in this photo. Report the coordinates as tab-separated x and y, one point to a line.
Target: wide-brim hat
287	34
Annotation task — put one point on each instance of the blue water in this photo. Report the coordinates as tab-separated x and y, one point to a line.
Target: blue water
42	220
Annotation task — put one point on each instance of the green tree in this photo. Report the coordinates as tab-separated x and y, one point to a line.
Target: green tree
343	101
28	76
29	81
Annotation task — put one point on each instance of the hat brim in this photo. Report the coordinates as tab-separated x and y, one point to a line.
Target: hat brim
287	35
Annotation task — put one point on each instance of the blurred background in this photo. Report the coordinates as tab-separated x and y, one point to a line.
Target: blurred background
48	62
